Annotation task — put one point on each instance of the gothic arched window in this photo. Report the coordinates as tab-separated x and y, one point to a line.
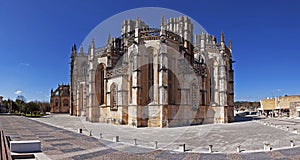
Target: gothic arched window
150	79
194	96
56	102
173	84
65	103
113	97
100	83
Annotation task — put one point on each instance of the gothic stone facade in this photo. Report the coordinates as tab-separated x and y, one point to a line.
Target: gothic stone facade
60	99
154	77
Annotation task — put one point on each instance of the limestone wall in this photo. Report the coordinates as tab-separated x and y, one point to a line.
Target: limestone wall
284	102
294	109
268	104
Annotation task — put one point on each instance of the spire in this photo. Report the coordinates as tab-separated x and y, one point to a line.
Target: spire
202	35
89	49
230	44
163	21
93	43
222	42
108	43
108	39
137	22
74	52
214	40
75	47
81	51
163	29
222	37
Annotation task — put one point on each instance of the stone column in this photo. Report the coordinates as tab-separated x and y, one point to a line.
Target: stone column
93	108
212	84
216	84
91	95
84	100
156	79
132	108
222	86
77	100
163	81
105	87
163	75
135	75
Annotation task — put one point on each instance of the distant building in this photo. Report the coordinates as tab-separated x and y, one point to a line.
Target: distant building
60	99
283	105
267	106
295	109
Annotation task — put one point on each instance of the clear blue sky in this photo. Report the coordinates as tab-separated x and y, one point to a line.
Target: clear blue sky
36	39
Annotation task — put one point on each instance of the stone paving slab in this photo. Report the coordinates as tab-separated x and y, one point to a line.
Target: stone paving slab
60	143
224	137
94	154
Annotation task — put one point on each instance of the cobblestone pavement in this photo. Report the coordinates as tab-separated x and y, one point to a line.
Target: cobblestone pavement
59	141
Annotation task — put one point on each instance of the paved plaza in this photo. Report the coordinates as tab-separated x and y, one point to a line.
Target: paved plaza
60	140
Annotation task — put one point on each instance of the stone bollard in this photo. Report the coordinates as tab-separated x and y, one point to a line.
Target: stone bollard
292	143
287	128
182	147
238	148
295	130
267	146
134	141
90	133
100	135
210	150
116	139
79	130
155	145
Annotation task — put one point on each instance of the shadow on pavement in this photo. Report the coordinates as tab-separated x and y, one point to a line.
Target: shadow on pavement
246	118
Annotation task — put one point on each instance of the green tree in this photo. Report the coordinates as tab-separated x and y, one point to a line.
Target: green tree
44	106
246	105
31	107
20	105
10	105
21	98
